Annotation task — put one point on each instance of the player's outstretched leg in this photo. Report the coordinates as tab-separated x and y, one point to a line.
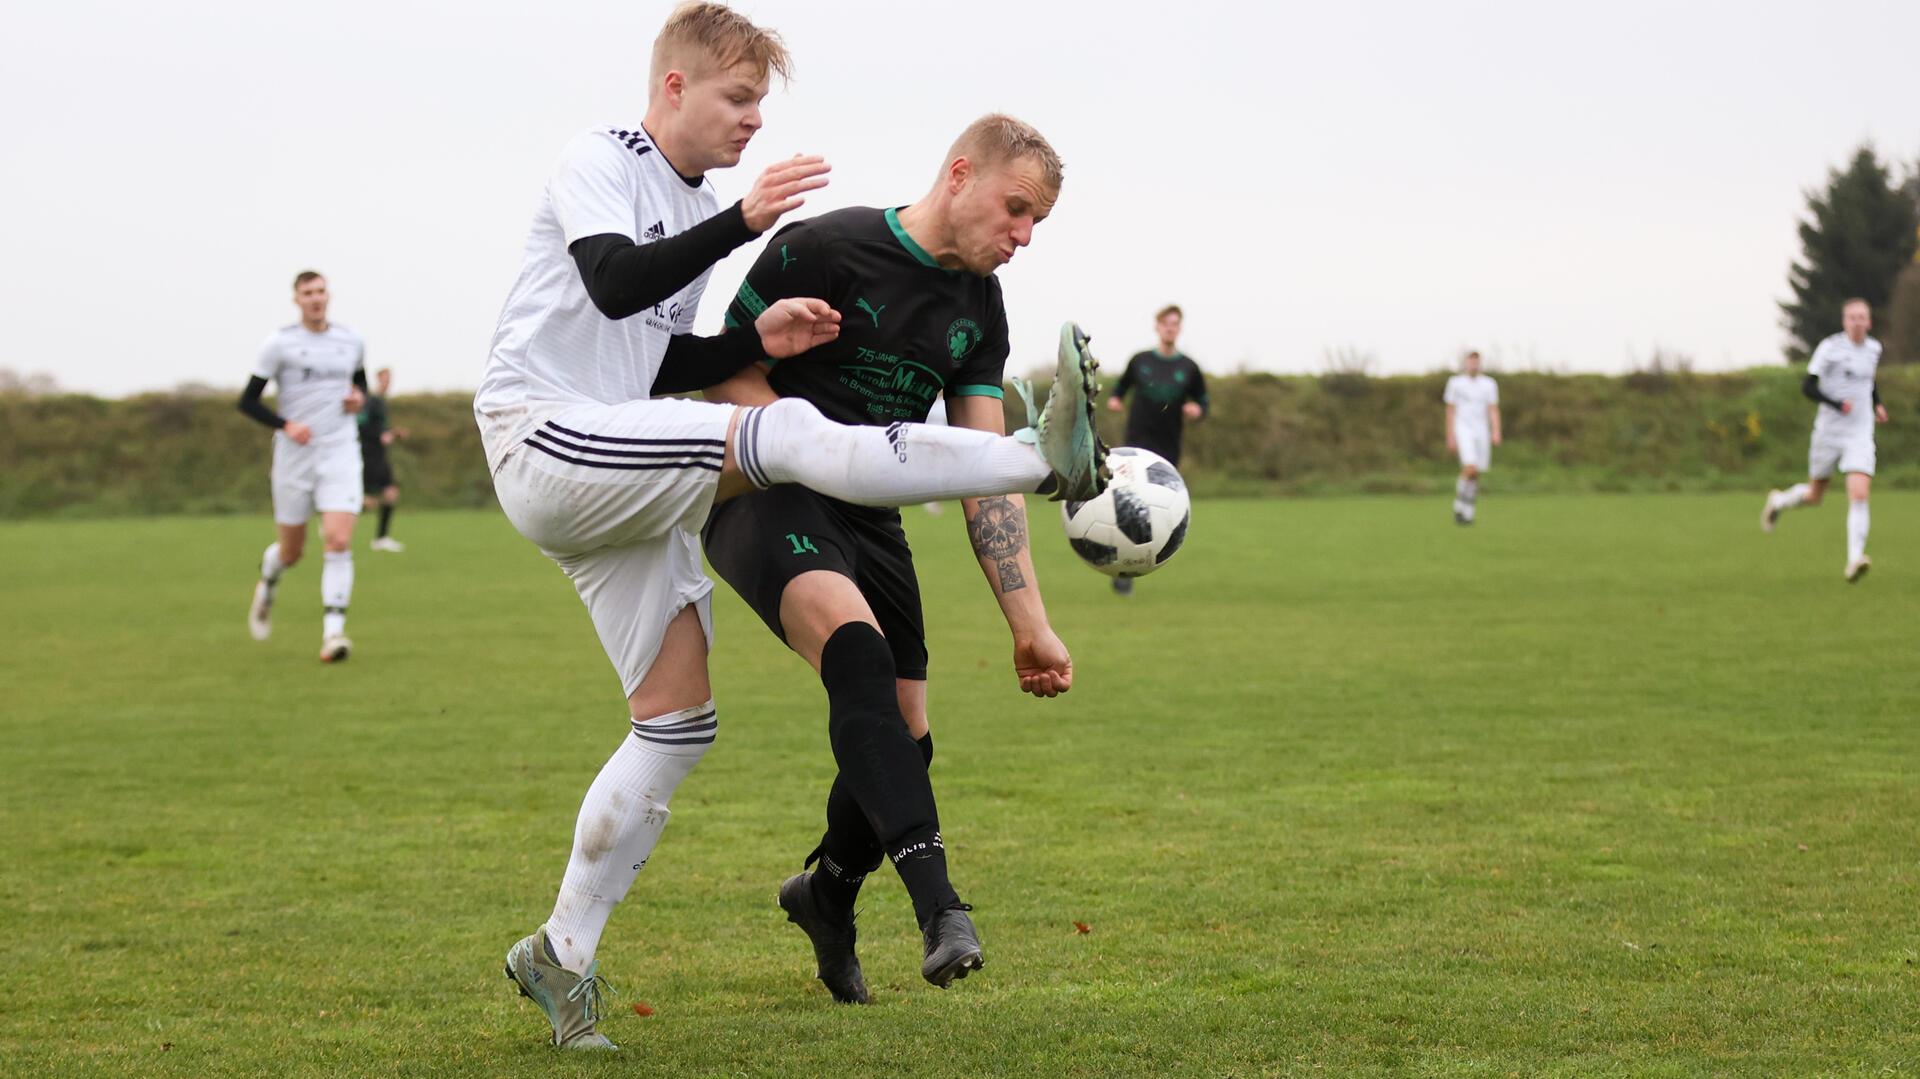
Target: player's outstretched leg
789	441
571	1001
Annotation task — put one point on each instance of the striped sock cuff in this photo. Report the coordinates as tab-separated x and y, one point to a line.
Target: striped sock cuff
688	731
746	448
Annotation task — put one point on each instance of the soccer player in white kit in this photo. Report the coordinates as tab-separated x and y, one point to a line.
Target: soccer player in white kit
1840	378
1473	429
320	368
614	487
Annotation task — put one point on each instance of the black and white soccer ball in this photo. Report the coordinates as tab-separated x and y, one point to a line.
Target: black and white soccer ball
1138	522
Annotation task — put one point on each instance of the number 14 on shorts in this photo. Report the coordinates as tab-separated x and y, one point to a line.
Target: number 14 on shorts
802	544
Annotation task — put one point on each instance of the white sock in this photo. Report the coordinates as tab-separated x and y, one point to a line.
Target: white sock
621	819
1791	497
1856	531
1467	492
336	589
270	565
791	442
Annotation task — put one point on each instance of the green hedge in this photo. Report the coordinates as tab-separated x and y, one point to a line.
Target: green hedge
166	453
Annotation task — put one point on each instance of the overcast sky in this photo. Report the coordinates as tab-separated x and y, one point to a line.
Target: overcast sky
1563	187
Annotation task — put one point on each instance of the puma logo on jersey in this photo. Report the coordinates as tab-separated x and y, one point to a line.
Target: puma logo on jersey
872	312
655	231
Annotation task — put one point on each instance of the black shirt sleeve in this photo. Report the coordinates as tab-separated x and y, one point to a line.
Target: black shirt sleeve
1121	387
256	409
1810	386
694	363
624	278
985	367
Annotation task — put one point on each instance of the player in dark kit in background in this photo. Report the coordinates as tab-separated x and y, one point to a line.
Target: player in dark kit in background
377	471
1168	390
922	320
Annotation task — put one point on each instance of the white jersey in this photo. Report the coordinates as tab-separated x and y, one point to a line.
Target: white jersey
1471	396
552	345
1846	373
314	373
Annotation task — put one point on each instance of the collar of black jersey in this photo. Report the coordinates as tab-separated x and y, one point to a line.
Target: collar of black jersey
913	247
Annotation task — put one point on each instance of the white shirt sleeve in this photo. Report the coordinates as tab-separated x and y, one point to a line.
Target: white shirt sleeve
1452	396
1493	393
1817	365
267	366
593	188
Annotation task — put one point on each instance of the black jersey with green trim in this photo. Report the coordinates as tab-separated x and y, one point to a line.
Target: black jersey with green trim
1160	385
910	329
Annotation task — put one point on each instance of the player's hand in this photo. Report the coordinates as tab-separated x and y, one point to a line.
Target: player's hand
1190	410
1846	408
792	326
779	189
354	401
299	432
1880	413
1042	662
387	437
1114	404
1496	438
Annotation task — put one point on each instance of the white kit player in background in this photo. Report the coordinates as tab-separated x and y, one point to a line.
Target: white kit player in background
319	368
1840	379
1473	429
613	483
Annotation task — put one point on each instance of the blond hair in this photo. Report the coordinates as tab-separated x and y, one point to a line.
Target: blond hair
998	138
701	38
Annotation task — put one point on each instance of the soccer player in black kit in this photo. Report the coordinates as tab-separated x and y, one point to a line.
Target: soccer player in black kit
1168	390
921	319
376	476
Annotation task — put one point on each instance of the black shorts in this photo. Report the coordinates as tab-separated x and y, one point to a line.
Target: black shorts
376	472
759	542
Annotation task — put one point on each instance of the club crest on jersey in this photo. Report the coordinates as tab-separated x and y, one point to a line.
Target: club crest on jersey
962	338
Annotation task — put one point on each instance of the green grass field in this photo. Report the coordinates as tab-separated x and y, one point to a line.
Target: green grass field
1607	785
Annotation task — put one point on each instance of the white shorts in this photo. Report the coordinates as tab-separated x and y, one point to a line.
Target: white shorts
616	496
1846	450
1475	451
315	479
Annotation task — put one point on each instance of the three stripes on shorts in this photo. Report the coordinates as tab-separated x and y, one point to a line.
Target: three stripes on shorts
628	454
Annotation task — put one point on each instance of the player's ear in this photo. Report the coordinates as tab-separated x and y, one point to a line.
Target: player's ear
958	173
674	86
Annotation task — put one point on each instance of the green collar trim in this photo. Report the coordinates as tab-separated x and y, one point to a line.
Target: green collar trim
906	241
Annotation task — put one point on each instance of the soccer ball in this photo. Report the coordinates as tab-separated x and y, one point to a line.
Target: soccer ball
1138	522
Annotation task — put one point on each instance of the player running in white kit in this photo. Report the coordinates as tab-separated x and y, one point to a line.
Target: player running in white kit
1840	378
614	487
320	370
1473	429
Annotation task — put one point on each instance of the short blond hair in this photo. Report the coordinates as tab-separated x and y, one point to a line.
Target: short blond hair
701	38
997	138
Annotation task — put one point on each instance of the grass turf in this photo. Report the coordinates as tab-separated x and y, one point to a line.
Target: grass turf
1604	785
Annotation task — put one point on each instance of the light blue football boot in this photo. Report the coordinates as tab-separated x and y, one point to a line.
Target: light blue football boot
572	1002
1064	432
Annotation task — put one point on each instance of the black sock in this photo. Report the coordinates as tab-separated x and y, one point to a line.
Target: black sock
849	850
880	764
386	518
